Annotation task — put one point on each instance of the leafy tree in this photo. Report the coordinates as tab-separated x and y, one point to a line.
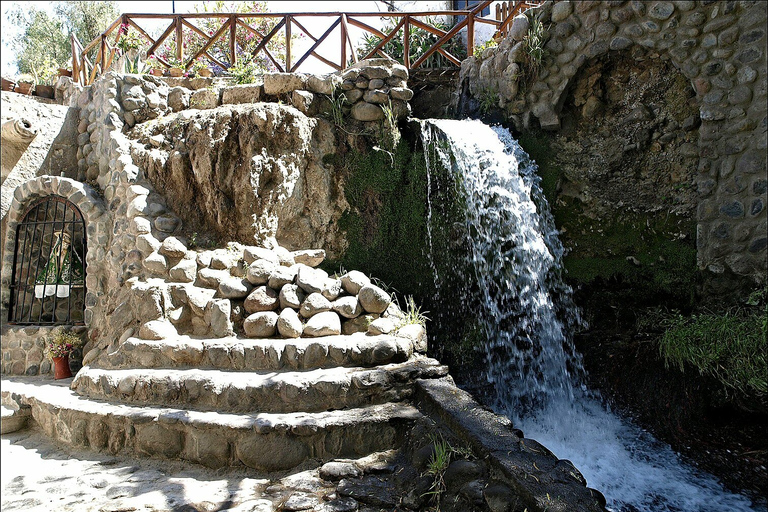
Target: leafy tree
42	44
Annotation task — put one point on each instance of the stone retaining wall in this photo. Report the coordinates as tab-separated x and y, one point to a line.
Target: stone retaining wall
718	46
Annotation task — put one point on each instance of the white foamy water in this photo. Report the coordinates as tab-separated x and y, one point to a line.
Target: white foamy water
516	258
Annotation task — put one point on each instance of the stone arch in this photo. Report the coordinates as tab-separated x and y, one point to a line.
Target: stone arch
720	47
97	223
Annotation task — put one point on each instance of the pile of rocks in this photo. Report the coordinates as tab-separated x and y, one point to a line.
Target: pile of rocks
260	293
372	83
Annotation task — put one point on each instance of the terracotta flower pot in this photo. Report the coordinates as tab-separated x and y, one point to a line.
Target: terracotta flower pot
61	367
65	72
44	91
156	72
8	85
176	72
205	73
24	88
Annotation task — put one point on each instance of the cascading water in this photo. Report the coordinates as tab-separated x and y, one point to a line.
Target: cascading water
527	317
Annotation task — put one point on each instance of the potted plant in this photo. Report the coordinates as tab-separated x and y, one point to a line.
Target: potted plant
177	67
156	68
58	346
45	77
25	84
201	69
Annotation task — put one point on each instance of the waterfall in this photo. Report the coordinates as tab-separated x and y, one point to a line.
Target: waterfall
514	258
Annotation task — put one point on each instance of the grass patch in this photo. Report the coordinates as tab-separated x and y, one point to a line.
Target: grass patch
412	315
729	346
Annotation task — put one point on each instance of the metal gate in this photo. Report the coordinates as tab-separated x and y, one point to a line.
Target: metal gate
48	280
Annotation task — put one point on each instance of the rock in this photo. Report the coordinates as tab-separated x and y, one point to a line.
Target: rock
309	257
560	11
280	277
323	85
156	263
460	472
173	248
311	280
157	330
338	505
218	317
204	99
359	324
314	303
198	299
291	296
363	111
289	324
184	271
323	324
302	100
245	93
381	326
373	72
261	325
370	490
284	256
211	278
348	307
259	271
178	98
520	26
234	288
331	288
167	223
498	498
300	501
353	281
335	471
251	254
375	96
401	93
373	299
261	298
281	83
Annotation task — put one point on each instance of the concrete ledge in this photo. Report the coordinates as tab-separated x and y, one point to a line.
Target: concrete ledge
540	481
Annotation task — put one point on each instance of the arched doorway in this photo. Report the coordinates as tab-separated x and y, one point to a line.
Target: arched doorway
48	276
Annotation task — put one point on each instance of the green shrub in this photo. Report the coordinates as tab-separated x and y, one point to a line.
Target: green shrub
729	346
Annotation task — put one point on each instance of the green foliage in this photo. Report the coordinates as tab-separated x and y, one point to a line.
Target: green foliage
534	50
420	42
491	43
42	44
244	73
729	346
413	314
390	133
489	99
131	39
339	107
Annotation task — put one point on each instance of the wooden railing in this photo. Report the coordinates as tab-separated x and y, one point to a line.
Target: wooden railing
106	48
505	11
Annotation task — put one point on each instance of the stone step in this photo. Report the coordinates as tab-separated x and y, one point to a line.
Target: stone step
12	419
243	392
234	353
266	442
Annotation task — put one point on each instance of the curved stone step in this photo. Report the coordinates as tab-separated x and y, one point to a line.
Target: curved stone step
274	392
266	442
244	354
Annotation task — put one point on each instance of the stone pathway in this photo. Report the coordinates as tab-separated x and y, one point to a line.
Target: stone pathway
39	475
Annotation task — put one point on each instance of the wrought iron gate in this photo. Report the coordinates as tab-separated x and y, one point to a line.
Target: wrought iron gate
48	280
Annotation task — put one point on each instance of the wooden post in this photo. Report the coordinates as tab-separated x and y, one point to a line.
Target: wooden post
75	71
470	33
179	40
343	41
103	53
233	40
407	42
288	43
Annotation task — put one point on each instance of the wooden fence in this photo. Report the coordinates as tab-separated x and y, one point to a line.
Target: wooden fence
105	46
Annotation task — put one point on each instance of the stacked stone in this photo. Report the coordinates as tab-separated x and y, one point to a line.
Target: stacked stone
371	84
262	293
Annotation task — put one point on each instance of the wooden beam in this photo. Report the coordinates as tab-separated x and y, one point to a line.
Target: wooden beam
179	40
349	38
233	40
160	39
385	40
288	42
407	42
317	43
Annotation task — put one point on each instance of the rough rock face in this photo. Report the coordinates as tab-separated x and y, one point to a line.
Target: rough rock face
255	171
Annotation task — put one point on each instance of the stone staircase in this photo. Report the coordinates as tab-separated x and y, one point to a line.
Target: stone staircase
269	404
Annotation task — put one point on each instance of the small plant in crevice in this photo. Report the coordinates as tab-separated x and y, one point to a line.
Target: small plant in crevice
244	73
534	50
491	43
437	465
489	99
412	315
338	108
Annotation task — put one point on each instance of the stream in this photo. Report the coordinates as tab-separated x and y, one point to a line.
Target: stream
528	315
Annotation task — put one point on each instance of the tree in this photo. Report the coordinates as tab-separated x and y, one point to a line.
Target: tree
42	44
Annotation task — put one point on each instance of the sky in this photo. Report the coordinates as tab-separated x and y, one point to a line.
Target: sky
315	25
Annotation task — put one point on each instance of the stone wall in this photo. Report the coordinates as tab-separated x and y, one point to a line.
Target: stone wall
720	49
24	351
